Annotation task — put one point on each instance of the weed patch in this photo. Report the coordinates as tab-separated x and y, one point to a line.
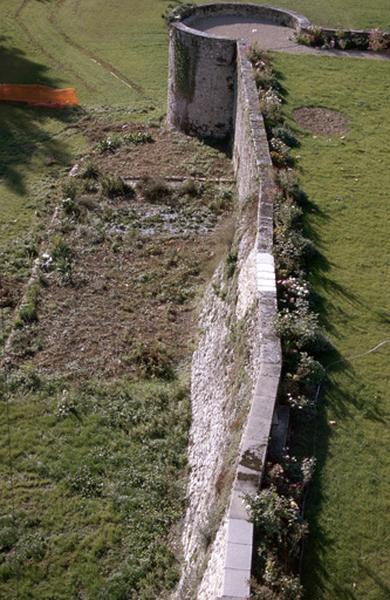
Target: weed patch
105	485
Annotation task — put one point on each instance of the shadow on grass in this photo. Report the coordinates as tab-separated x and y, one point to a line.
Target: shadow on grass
318	267
315	440
23	131
312	434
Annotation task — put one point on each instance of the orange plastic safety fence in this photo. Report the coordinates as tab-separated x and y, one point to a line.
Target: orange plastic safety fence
38	95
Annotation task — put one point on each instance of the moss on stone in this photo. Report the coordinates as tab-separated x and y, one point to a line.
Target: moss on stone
185	68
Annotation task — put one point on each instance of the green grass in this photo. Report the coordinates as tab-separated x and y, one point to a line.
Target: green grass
61	44
347	179
57	43
340	13
92	482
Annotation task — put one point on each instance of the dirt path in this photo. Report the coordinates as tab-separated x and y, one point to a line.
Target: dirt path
271	37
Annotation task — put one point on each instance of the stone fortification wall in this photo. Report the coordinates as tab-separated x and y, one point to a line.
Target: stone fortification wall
284	17
202	68
200	83
235	373
256	287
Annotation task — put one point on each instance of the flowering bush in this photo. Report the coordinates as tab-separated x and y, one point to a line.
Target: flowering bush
286	213
285	134
270	105
297	327
280	153
290	249
287	182
279	528
298	401
277	519
309	370
377	41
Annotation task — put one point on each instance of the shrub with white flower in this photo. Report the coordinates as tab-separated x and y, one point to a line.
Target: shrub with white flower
65	405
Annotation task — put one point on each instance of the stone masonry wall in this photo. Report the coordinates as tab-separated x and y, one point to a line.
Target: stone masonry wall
201	83
202	68
233	391
237	363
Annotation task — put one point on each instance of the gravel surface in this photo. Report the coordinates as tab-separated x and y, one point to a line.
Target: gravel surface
269	36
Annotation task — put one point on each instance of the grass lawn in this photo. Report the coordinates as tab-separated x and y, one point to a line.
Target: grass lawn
340	13
348	180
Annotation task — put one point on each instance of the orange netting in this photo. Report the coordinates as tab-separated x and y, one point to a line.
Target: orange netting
38	95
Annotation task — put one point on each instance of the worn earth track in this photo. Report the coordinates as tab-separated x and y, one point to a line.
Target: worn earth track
35	42
113	71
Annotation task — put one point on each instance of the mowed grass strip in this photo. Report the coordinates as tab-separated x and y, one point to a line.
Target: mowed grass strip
347	180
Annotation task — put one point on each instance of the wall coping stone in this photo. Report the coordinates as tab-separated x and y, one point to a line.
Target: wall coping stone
255	439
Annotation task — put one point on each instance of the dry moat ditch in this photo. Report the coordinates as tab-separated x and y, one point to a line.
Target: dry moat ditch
95	377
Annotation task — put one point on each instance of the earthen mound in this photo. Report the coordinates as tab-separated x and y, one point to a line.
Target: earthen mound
321	121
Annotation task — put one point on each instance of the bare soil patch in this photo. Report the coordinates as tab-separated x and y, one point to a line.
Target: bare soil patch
143	294
321	121
10	291
124	270
170	153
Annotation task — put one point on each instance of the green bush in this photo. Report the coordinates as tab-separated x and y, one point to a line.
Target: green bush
70	189
231	263
109	144
137	137
70	208
113	186
28	312
154	189
61	259
90	170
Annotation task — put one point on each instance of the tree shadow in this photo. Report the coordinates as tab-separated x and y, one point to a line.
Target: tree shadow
23	131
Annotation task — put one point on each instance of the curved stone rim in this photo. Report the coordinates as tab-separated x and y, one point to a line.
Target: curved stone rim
235	8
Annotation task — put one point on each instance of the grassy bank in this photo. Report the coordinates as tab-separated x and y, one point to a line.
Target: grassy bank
346	178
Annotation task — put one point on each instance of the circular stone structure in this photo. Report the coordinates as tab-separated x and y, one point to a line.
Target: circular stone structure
202	62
